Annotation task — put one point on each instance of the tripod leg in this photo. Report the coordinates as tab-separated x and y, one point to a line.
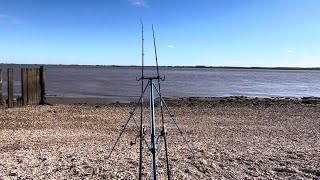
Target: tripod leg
125	126
175	122
135	122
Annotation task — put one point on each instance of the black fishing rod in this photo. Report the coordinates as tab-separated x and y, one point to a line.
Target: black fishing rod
163	131
141	106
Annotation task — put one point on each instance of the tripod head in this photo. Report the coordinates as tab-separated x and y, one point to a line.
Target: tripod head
149	78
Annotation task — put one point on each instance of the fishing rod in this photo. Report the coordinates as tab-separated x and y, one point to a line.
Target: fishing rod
141	105
163	131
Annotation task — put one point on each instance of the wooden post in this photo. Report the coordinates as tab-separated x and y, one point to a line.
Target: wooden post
32	86
10	87
29	86
24	86
37	86
42	85
0	87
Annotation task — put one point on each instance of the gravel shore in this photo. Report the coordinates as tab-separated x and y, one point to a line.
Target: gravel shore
231	138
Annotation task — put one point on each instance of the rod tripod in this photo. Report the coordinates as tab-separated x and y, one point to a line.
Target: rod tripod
152	90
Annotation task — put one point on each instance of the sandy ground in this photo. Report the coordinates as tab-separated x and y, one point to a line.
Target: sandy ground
231	139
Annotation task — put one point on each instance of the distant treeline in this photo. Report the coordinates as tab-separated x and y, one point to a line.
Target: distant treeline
199	66
275	68
232	67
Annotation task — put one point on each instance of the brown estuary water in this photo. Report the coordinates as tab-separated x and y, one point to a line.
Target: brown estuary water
120	82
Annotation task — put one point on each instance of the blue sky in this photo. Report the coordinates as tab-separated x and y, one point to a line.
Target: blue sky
188	32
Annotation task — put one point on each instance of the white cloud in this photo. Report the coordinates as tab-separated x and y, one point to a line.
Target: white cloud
171	46
290	51
139	3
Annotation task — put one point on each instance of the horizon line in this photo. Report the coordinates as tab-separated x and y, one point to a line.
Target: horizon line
176	66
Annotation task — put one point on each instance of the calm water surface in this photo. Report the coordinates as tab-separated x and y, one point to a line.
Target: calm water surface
99	81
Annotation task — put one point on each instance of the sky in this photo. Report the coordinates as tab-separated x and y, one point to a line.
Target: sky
269	33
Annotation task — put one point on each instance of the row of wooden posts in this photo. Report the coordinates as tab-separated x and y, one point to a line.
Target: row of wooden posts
32	87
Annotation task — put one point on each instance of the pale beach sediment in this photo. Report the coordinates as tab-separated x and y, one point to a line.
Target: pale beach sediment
232	138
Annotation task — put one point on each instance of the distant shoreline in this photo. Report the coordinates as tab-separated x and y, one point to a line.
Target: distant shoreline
203	67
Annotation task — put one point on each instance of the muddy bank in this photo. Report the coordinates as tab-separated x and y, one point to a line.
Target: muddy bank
190	101
241	100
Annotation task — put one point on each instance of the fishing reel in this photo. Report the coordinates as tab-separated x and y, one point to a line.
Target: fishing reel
135	139
163	132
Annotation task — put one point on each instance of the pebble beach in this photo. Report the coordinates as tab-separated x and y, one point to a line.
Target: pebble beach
231	138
